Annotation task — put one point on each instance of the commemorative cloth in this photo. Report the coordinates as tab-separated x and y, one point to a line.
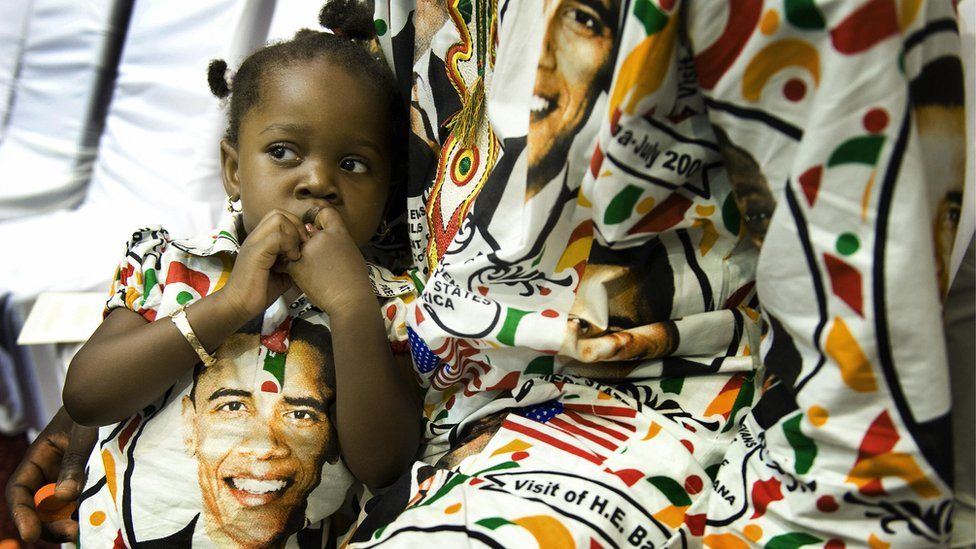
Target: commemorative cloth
683	263
243	453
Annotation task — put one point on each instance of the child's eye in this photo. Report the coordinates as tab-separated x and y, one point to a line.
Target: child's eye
353	165
282	153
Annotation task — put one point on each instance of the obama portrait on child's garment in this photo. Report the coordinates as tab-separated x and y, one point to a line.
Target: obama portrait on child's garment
260	446
574	68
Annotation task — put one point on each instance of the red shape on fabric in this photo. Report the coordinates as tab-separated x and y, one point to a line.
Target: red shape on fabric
690	428
715	60
553	441
665	215
615	121
275	341
845	281
179	272
696	524
129	430
601	428
794	90
391	312
765	492
873	488
666	4
149	314
677	118
475	481
835	544
629	476
544	291
549	313
739	295
876	120
810	183
694	484
865	27
119	541
510	380
519	456
594	544
616	411
125	273
482	290
568	427
269	387
417	315
827	504
880	438
596	161
687	444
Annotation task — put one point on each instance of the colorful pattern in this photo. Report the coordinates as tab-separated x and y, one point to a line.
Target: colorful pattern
693	299
240	453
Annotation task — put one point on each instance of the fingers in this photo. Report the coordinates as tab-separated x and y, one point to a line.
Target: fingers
39	467
281	235
61	531
71	479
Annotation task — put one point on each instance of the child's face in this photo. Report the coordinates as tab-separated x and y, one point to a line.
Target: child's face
317	138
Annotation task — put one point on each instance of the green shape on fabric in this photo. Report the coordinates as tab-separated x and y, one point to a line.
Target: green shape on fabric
379	532
464	8
742	400
455	481
149	282
443	414
803	446
847	243
671	490
184	297
622	205
512	318
417	281
493	523
540	365
804	14
538	258
792	540
712	470
650	16
730	215
500	467
857	150
227	235
673	384
274	364
380	26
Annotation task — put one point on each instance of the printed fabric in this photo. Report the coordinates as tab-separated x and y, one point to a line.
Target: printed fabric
242	453
682	266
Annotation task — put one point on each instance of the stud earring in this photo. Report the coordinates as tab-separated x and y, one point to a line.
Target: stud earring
230	206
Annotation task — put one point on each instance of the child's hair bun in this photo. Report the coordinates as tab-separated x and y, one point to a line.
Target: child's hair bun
217	78
349	19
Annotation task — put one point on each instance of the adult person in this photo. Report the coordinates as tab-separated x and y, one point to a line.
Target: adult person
795	408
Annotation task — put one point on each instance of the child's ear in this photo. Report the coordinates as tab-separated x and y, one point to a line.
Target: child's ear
228	169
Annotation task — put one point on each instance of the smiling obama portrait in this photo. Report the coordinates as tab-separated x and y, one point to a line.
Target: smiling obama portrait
260	431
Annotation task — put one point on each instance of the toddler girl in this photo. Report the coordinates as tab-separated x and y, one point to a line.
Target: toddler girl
242	450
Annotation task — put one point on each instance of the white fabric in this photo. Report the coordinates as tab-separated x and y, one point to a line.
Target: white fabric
13	27
967	219
46	154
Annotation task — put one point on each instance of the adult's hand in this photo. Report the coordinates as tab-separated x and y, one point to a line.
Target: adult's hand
59	454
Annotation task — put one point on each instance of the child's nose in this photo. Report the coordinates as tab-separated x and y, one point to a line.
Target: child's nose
319	182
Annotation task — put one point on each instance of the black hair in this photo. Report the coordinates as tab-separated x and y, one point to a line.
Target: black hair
352	47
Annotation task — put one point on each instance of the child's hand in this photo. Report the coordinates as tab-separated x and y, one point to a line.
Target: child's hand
331	270
259	275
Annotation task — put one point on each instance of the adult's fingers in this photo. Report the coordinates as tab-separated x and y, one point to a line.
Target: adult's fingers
39	467
71	479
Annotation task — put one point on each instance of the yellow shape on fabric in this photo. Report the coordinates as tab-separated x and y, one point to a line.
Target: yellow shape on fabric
605	173
646	205
428	410
769	22
108	462
583	201
672	515
704	211
603	396
451	509
724	541
789	52
866	197
97	518
722	404
577	251
817	415
516	445
547	531
874	542
753	532
652	431
855	369
709	235
907	12
893	464
644	69
226	266
131	295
